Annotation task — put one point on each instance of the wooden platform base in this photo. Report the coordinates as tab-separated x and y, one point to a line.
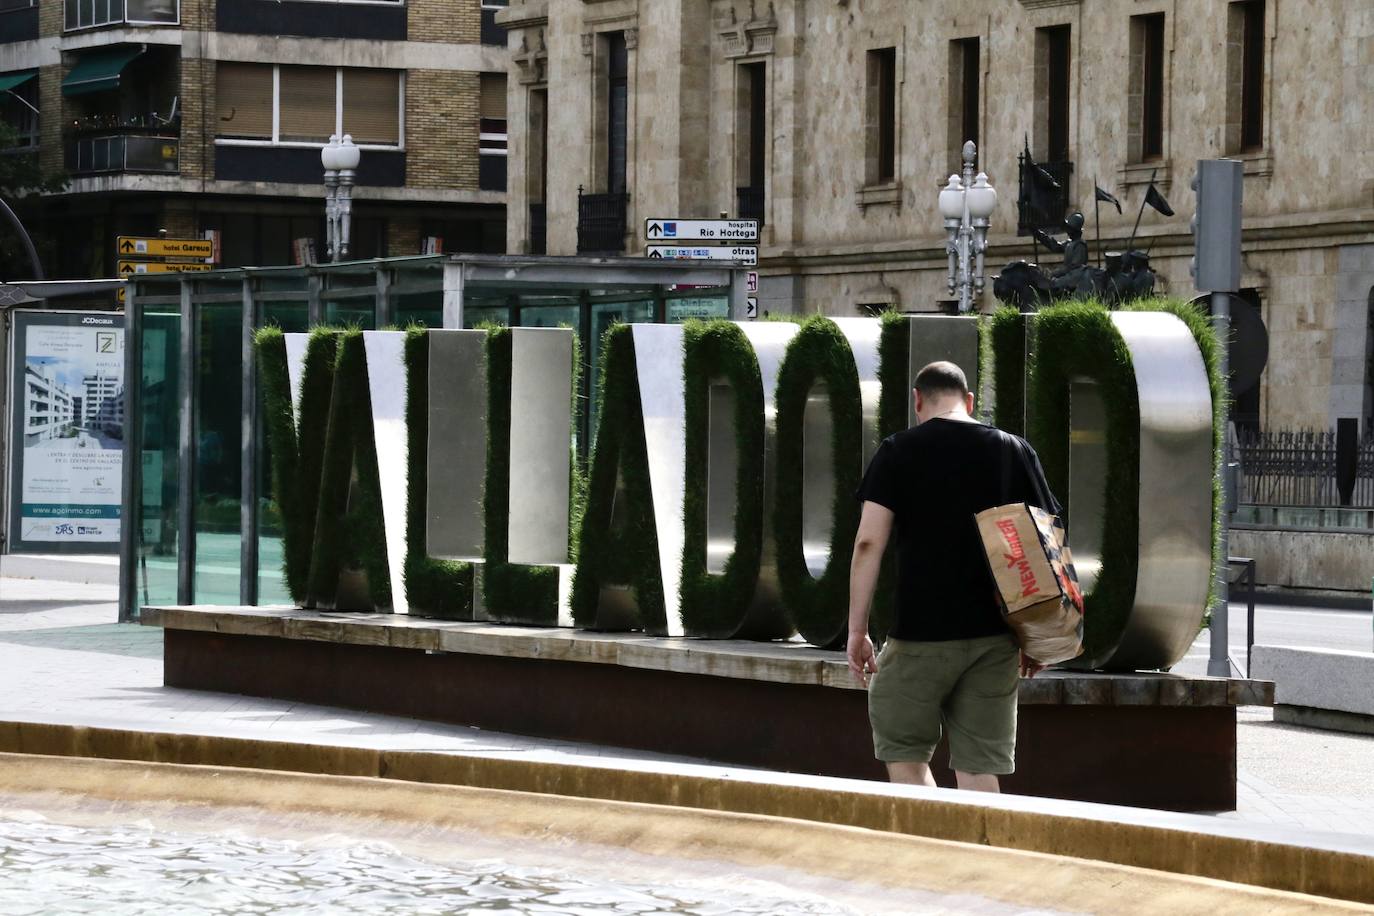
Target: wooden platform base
1156	741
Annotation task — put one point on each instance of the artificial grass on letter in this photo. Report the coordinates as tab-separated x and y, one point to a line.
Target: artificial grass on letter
297	442
818	354
1008	342
617	541
434	587
715	605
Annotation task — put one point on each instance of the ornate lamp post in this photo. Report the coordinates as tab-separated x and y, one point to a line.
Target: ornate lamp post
967	204
340	160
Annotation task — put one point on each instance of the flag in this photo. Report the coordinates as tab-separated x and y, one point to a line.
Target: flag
1156	200
1041	196
1106	198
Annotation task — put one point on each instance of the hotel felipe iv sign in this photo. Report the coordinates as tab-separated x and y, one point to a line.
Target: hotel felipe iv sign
718	497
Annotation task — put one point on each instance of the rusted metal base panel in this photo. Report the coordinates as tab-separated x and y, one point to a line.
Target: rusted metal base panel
1179	758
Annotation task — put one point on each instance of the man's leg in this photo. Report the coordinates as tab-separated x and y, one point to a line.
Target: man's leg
975	782
916	774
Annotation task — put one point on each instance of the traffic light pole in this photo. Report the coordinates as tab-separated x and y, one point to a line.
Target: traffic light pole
1217	226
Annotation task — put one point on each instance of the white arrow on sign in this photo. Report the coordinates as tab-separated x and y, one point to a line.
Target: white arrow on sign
701	230
745	254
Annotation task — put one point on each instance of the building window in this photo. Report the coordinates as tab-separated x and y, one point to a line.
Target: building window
537	171
751	140
882	116
493	34
85	14
617	112
1245	76
18	109
1146	124
492	133
1052	59
289	105
964	72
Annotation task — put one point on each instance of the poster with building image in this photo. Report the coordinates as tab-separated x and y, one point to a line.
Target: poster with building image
67	431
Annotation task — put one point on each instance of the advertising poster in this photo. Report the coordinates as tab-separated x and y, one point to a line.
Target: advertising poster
67	431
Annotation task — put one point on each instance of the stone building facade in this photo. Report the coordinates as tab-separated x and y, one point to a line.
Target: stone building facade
836	122
207	116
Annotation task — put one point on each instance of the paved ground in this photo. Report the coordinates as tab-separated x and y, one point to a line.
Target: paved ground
62	660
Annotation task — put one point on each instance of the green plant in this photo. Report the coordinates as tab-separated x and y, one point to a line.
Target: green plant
297	442
716	605
435	587
1079	340
818	355
894	365
514	592
617	541
349	531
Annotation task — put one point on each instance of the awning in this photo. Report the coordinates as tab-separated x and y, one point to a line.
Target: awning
10	81
98	70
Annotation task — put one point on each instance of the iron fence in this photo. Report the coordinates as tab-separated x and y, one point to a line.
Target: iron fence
749	202
601	223
1298	468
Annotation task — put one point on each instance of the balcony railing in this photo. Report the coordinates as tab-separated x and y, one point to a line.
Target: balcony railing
1040	205
85	14
539	229
749	203
124	152
601	222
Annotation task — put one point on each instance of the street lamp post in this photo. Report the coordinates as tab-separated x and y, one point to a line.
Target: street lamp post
340	160
967	204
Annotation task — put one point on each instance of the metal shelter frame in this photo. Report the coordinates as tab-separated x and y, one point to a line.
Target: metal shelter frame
373	287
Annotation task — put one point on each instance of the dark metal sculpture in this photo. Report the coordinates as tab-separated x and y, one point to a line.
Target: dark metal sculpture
1028	287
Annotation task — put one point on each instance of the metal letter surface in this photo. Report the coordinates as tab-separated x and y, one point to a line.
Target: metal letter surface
457	450
387	381
658	364
1176	467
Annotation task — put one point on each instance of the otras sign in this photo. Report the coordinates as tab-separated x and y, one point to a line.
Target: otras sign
434	472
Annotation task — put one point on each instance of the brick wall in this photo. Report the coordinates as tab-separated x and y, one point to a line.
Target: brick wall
197	118
50	153
441	129
50	13
445	20
402	236
198	14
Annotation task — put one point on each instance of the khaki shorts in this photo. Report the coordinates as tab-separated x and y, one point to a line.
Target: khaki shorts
968	685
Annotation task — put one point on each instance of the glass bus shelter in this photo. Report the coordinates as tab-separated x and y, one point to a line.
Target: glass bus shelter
200	525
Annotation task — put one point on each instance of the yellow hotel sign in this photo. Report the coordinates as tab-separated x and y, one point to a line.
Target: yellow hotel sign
157	267
130	246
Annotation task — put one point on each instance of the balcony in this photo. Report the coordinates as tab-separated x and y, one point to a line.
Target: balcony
1039	205
86	14
601	223
124	151
749	203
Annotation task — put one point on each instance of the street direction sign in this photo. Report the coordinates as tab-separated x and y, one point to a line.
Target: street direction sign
751	281
157	267
745	254
751	308
701	230
131	246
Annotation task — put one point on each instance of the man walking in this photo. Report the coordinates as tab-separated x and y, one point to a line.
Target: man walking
950	661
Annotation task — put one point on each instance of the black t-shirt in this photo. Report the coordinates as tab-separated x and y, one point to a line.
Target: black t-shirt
935	477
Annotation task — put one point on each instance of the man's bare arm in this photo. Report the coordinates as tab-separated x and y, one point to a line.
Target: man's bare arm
875	527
